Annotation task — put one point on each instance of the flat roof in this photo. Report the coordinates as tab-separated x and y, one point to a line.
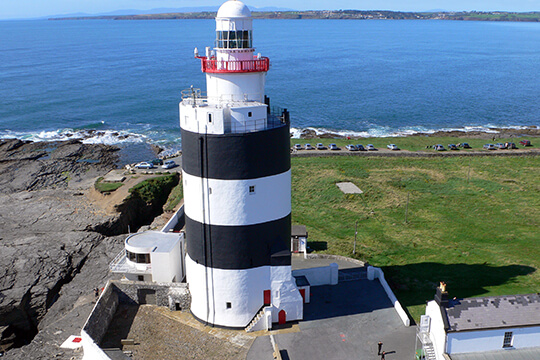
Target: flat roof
510	354
152	241
493	312
298	230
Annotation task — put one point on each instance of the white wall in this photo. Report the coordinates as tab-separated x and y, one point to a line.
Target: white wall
91	350
167	267
195	119
490	340
376	273
235	87
285	294
230	202
437	333
324	275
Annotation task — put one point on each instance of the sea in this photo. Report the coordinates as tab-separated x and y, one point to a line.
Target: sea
119	82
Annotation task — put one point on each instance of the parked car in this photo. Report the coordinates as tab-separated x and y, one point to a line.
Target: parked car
320	146
333	147
465	146
157	162
439	147
452	147
169	164
370	147
297	147
500	146
351	147
392	147
144	165
511	145
360	147
525	142
490	147
308	147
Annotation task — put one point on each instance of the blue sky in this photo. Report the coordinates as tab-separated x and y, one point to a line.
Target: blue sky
37	8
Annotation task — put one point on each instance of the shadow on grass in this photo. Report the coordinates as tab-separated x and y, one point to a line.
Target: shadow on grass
317	245
415	283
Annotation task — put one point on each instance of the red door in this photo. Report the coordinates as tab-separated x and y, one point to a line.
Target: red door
303	293
282	317
267	300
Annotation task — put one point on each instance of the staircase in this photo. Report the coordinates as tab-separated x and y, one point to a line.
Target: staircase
429	352
255	320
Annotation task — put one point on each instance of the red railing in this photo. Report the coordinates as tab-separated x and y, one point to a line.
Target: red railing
238	66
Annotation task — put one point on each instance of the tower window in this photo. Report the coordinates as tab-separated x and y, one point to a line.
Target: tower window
229	305
507	342
250	114
209	118
252	189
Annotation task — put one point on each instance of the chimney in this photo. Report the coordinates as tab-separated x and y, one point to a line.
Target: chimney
441	296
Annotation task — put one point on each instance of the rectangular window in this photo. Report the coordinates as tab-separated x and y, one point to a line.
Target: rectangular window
250	114
507	342
229	305
209	118
140	277
252	189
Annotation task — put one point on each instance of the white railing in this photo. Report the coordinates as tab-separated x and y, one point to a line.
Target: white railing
120	264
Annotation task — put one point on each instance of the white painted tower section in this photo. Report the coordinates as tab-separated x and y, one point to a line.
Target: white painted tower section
237	184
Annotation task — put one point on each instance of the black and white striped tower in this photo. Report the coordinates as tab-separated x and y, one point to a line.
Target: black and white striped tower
237	184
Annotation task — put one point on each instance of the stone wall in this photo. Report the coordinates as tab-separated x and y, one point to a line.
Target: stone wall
162	294
102	314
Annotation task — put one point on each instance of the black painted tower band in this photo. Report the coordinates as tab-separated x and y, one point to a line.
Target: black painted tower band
242	156
240	247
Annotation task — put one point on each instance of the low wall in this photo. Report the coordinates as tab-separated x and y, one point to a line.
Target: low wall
129	293
116	292
98	322
376	273
336	257
177	219
324	275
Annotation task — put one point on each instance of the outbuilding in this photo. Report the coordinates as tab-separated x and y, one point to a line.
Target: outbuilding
487	328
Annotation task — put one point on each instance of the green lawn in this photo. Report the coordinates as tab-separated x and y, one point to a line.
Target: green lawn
480	236
106	187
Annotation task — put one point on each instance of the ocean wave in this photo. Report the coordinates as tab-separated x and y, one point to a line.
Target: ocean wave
87	136
383	131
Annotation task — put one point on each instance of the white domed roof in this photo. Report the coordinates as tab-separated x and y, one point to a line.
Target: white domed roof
233	9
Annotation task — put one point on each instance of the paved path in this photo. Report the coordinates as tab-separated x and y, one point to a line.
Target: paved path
345	321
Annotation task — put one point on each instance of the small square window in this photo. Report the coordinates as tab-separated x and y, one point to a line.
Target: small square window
140	277
250	114
507	342
252	189
229	305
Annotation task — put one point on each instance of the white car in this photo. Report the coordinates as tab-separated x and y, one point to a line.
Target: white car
370	147
308	147
490	147
168	164
144	165
392	147
333	147
351	147
320	146
439	147
297	147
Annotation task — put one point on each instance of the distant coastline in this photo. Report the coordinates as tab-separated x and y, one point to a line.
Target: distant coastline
336	15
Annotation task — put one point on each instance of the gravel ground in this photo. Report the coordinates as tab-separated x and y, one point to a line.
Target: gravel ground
162	337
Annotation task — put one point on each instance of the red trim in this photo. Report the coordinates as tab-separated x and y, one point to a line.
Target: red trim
213	65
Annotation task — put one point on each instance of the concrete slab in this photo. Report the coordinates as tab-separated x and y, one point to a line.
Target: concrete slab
349	188
345	321
114	176
298	262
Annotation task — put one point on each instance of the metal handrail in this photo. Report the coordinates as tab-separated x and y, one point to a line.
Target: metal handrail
214	65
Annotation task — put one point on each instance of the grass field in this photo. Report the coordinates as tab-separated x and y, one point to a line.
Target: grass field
480	235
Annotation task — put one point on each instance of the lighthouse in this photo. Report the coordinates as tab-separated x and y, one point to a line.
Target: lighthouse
236	174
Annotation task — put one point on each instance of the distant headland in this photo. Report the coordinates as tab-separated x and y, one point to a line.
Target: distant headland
336	15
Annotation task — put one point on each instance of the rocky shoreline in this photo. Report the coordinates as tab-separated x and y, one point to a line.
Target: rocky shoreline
55	242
